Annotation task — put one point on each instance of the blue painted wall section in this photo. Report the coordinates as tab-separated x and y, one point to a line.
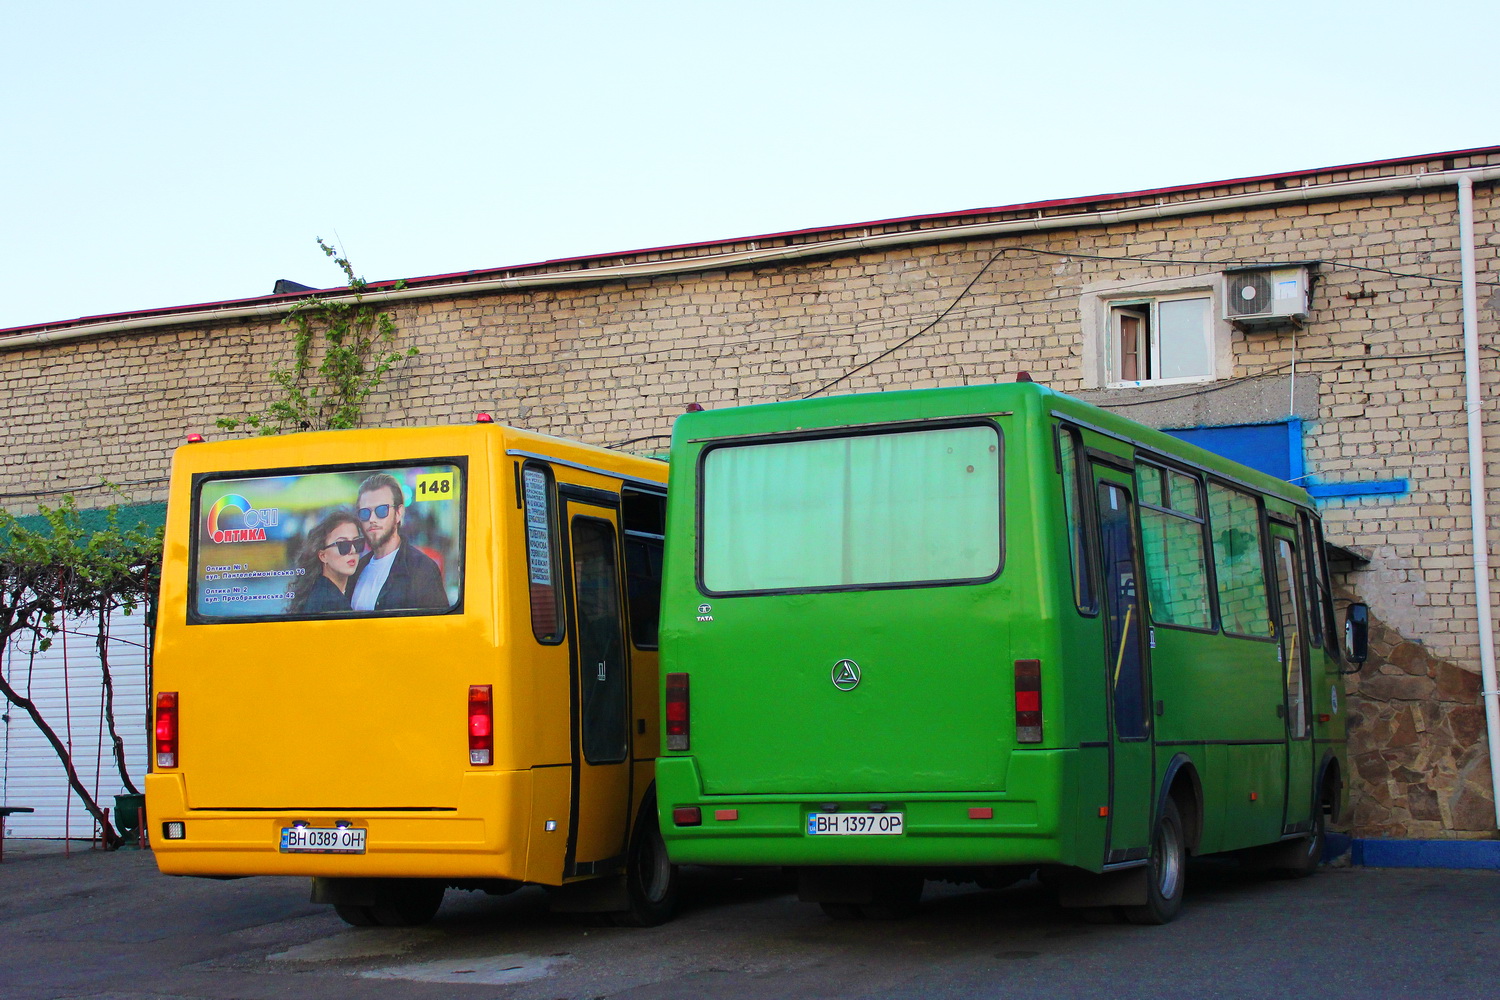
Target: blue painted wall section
1276	449
1475	854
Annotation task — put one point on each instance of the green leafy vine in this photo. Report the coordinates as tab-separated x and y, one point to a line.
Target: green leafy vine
354	340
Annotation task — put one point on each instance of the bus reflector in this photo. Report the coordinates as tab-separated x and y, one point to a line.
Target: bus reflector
981	812
481	724
677	712
687	816
166	729
1028	701
726	814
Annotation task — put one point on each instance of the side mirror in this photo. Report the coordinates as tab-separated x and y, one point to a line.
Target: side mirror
1357	633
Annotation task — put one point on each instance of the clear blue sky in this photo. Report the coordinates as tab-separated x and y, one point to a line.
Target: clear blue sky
159	154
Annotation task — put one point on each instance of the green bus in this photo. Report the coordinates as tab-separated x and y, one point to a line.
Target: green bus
983	632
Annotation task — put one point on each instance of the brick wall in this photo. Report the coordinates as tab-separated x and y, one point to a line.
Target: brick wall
616	360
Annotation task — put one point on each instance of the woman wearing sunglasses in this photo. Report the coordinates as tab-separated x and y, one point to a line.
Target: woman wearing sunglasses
328	560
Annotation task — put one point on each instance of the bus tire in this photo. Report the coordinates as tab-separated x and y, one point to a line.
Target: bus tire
1165	871
408	903
898	895
355	915
651	880
1308	850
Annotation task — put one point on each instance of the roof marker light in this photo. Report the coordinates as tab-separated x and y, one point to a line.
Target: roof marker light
483	418
195	438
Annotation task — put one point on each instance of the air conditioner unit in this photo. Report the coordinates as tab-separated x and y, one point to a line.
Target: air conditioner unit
1267	296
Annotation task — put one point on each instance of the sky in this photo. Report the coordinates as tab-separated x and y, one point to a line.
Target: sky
160	154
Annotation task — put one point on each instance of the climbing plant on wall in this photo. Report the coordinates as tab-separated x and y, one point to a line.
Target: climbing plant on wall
341	351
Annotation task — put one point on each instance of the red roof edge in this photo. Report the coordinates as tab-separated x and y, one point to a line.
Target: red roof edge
702	244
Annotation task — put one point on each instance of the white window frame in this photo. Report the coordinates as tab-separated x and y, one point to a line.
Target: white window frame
1102	305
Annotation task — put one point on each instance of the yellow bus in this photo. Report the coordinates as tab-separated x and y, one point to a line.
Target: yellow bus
398	661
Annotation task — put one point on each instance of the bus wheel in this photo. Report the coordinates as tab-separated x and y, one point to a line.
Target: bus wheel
356	916
897	896
650	877
406	904
1308	850
1165	872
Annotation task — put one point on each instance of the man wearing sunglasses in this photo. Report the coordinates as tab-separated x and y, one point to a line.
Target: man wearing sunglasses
394	574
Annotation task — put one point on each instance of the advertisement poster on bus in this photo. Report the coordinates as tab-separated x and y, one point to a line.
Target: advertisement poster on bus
327	542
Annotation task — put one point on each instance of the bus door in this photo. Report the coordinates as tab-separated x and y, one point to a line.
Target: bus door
1296	684
1127	670
601	688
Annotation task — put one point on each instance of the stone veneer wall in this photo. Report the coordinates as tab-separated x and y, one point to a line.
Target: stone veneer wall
609	362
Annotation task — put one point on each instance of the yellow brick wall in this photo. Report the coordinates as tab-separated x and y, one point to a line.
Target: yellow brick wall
615	361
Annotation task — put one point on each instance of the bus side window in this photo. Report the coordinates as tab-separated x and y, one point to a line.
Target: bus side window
1316	587
1078	547
541	553
644	521
1176	559
1234	523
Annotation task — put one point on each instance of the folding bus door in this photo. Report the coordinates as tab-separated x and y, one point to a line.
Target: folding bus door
1127	670
601	689
1296	681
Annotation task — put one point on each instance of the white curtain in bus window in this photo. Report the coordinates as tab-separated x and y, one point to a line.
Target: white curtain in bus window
1184	337
299	543
911	507
1083	577
1287	583
1172	537
546	623
1234	524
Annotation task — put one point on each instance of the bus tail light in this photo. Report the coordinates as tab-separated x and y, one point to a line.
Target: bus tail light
481	724
1028	701
166	729
677	711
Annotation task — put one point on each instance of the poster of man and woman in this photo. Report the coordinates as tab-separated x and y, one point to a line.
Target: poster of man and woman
329	542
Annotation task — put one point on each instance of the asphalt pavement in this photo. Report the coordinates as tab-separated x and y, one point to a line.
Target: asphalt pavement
107	926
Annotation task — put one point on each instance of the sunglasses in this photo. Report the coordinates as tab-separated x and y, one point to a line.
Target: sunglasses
347	545
381	511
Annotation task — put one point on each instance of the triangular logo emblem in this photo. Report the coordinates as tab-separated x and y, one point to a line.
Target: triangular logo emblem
846	675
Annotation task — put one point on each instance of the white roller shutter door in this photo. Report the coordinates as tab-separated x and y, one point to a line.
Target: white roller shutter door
66	685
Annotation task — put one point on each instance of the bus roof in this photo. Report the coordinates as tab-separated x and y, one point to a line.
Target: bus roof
305	447
908	405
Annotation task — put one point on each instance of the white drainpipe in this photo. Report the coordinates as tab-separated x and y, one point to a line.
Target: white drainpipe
1477	513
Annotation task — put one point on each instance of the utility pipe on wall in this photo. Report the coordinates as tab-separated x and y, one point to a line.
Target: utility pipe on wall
1477	514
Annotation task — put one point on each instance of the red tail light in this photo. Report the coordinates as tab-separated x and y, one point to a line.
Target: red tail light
677	711
166	729
481	725
1028	701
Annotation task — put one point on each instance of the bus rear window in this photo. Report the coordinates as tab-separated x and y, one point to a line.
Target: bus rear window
332	541
908	507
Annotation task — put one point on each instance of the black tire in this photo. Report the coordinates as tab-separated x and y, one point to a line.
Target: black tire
843	911
1166	871
897	896
407	904
1308	851
650	877
356	916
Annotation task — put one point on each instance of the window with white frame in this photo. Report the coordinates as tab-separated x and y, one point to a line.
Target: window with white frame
1164	338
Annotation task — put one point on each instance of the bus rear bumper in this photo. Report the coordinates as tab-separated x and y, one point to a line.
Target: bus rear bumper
483	837
1021	825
